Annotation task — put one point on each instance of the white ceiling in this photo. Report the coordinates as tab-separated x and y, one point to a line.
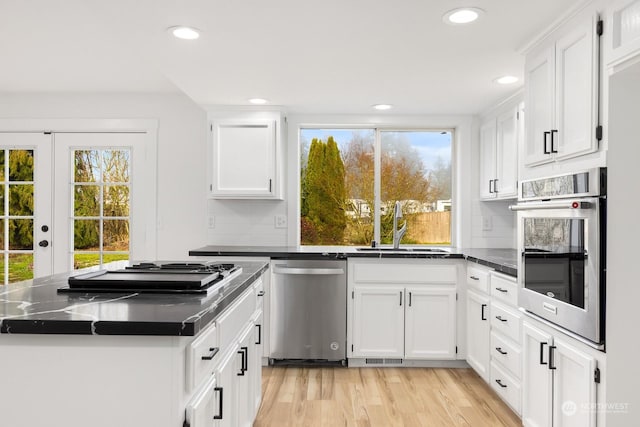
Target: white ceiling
337	56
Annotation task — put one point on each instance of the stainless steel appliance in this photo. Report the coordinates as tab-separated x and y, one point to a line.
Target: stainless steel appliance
156	277
562	240
308	311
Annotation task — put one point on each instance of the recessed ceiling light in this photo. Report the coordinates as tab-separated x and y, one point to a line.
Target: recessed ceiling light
185	33
258	101
463	15
383	106
506	80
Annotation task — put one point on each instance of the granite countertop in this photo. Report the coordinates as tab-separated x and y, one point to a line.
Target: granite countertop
503	260
35	307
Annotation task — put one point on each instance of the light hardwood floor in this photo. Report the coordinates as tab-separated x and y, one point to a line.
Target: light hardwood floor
300	396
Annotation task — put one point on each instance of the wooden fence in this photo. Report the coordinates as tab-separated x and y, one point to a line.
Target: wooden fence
429	227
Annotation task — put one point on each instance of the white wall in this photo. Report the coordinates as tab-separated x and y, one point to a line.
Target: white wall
181	152
623	285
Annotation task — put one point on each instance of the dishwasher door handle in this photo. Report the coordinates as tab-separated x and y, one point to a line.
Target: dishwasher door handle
307	271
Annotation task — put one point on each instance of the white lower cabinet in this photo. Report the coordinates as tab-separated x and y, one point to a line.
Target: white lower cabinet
378	321
478	329
402	309
227	389
202	408
560	378
430	322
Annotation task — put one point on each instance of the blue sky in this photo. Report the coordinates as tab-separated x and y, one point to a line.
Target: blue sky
430	145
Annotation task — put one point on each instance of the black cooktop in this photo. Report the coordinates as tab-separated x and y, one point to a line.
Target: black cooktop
155	277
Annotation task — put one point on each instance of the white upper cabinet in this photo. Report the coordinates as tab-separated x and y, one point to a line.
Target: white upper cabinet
562	95
499	136
624	18
244	159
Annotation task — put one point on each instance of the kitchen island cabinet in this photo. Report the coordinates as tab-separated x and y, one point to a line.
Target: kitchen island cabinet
128	359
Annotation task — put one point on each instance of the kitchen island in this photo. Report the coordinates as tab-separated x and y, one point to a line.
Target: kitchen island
125	359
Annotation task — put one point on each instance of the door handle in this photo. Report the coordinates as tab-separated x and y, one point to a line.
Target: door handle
43	243
553	132
482	312
259	334
551	357
244	352
542	344
545	142
219	416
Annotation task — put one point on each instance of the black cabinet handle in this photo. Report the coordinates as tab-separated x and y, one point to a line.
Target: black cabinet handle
502	290
269	186
545	142
259	334
409	299
500	384
501	319
542	344
474	278
482	312
210	356
261	293
220	402
551	357
244	352
499	350
491	186
553	132
400	298
495	185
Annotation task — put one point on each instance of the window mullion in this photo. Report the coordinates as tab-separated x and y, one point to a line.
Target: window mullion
376	185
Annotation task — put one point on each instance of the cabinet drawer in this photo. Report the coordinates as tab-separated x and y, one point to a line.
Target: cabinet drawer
506	321
508	354
504	289
201	356
234	319
507	387
478	278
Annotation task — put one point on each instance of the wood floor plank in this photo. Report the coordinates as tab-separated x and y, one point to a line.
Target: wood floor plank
385	397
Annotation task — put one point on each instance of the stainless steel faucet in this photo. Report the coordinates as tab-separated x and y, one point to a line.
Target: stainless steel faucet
397	234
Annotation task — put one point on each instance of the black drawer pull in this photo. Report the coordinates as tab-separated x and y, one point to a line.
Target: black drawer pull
219	416
544	139
501	319
261	293
542	344
474	278
502	290
552	357
499	350
500	384
482	312
210	356
244	352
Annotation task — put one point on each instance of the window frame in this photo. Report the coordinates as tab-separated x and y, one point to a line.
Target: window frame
378	129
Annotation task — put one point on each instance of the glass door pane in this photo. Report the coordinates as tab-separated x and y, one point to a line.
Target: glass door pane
25	206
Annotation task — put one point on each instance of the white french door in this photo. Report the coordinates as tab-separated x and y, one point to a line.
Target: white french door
25	206
101	198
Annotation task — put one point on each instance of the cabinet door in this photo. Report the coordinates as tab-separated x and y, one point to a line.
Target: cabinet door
574	389
245	378
487	159
506	181
539	74
244	159
255	362
478	330
576	87
430	322
226	375
378	321
536	378
202	408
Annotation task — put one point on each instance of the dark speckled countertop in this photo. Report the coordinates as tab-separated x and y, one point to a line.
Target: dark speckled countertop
35	307
503	260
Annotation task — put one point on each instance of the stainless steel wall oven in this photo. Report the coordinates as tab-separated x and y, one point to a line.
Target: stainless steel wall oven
562	242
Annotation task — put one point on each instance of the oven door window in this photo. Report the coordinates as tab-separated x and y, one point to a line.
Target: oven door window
555	258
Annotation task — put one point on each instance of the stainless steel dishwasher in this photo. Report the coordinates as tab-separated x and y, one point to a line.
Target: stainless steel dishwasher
308	311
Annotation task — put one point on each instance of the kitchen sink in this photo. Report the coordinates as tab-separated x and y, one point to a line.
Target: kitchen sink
386	249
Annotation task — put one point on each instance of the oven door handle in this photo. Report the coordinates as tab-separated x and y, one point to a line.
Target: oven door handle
551	205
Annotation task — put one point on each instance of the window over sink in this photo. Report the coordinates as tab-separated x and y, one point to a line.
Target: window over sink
350	179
